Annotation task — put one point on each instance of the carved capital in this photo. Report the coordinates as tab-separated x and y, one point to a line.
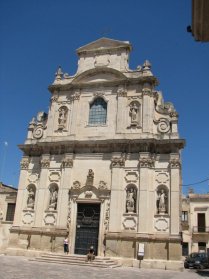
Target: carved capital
174	114
146	161
24	164
67	163
147	92
122	92
175	163
118	162
54	98
45	163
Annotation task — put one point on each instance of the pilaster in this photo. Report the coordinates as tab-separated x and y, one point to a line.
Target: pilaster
41	193
121	97
117	192
24	165
148	109
146	164
75	111
175	167
63	199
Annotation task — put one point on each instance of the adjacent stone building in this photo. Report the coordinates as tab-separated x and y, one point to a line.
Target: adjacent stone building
195	223
8	196
103	165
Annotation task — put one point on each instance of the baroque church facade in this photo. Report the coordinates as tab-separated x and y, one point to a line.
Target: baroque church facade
103	166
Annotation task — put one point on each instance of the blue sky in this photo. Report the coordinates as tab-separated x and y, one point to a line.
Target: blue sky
38	36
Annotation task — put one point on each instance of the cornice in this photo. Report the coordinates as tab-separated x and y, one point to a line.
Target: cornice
119	81
104	146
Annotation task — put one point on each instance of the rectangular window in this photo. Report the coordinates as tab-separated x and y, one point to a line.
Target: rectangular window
185	250
184	216
10	212
201	222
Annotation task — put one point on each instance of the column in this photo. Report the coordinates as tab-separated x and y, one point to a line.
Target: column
175	176
117	206
146	163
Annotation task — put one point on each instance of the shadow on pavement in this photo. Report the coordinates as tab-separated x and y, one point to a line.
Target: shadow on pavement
204	273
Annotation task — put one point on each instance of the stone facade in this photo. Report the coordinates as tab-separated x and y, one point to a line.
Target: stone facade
108	139
195	223
8	196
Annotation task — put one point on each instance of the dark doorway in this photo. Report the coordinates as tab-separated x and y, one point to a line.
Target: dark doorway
201	222
87	228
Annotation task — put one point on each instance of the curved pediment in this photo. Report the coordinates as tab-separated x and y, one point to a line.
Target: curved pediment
99	75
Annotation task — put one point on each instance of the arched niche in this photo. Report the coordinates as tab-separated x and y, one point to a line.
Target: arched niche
53	196
131	198
162	202
31	188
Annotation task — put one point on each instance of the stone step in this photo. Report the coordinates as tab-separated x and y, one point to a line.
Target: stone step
102	262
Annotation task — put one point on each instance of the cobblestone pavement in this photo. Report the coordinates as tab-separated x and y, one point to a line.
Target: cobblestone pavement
21	267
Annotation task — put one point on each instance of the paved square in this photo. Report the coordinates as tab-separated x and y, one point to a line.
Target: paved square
12	267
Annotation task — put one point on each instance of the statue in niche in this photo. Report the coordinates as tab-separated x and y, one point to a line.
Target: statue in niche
53	198
161	202
131	200
134	113
31	198
62	117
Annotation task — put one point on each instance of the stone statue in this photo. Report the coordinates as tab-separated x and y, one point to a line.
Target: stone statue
62	117
31	198
53	199
133	113
130	201
161	202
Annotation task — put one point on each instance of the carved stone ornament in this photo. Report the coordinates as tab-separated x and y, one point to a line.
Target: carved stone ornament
50	219
67	163
88	194
131	176
161	224
147	162
45	163
175	163
28	218
54	176
118	162
162	178
33	177
129	223
24	164
54	98
163	125
1	214
122	92
69	215
38	132
99	94
174	114
102	185
147	92
107	216
76	185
